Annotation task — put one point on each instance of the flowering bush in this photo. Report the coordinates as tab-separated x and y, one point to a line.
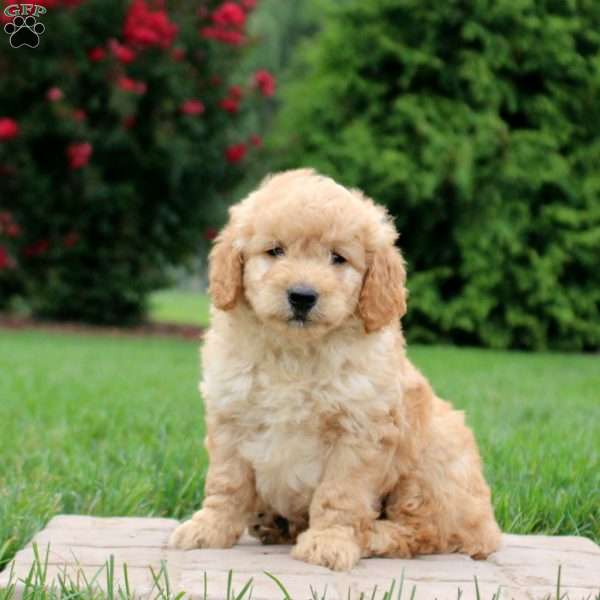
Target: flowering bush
120	136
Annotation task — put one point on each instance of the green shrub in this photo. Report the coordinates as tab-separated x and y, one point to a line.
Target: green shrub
477	124
119	141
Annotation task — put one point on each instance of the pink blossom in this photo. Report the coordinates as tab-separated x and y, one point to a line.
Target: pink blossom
97	54
37	248
54	94
146	27
229	14
79	115
178	54
5	260
265	82
235	153
129	121
131	85
229	105
192	107
9	129
233	38
79	155
121	52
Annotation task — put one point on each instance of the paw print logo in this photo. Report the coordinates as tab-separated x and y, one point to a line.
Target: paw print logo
24	31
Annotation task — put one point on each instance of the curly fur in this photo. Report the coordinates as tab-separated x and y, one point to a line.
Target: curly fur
324	434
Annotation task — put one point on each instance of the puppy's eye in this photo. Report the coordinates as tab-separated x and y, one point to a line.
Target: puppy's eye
277	251
337	259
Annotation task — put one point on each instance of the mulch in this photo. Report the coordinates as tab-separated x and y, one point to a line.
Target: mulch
170	330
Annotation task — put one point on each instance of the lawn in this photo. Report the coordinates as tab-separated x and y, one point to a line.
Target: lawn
179	306
112	426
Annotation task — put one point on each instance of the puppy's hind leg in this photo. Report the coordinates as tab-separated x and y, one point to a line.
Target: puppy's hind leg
393	539
388	539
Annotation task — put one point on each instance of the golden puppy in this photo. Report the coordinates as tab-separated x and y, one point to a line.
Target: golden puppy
319	429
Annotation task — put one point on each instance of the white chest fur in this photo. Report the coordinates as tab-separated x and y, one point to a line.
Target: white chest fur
280	405
288	464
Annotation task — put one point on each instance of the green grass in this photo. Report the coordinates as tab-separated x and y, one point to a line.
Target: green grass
112	426
179	306
103	585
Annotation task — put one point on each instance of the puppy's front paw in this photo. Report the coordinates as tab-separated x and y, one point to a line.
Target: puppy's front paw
204	530
335	548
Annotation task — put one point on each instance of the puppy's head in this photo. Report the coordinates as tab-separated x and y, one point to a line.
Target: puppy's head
307	256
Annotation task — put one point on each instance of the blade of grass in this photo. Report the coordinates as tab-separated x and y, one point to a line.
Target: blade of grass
401	586
280	585
126	580
558	582
9	591
229	577
241	595
477	592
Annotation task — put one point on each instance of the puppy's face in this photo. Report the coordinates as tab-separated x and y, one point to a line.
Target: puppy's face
307	255
303	281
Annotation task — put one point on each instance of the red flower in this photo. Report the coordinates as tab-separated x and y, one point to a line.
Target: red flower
210	233
131	85
248	5
71	239
178	54
229	14
235	153
5	260
235	92
129	121
79	115
13	230
8	129
48	3
192	107
121	52
97	54
37	248
255	140
234	38
265	82
7	226
146	27
228	24
54	94
79	154
229	105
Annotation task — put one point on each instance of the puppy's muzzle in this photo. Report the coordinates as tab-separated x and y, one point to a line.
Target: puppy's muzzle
302	299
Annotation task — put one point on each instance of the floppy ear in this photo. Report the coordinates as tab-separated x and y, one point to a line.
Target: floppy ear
225	271
383	297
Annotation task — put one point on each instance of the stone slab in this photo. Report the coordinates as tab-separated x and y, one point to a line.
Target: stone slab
524	568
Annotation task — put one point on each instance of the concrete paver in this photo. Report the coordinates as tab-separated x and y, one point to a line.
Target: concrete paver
525	567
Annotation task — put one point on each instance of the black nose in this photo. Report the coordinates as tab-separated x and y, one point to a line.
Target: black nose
302	298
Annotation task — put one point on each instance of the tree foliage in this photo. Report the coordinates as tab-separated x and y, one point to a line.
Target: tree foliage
477	124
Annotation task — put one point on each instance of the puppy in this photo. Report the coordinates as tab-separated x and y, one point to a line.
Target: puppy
319	429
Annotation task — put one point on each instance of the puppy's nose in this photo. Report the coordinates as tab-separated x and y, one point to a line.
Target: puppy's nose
302	298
